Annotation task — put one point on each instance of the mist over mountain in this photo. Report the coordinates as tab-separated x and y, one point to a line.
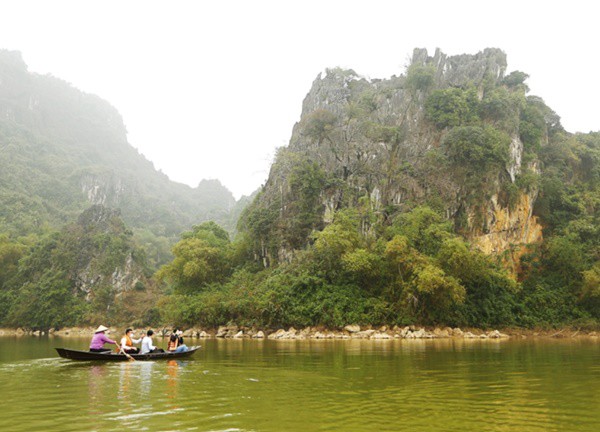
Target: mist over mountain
62	150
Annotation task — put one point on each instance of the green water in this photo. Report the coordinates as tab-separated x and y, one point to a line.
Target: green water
242	385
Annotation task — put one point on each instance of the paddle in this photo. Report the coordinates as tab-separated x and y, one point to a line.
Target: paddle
127	355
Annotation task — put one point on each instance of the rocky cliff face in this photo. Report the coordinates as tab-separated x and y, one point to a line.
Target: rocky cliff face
394	142
89	270
509	230
106	255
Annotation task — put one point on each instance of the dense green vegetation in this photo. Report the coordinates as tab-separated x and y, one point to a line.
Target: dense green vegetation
410	263
90	270
356	224
559	280
414	269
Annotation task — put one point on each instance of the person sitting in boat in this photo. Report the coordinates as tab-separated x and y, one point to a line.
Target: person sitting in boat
179	334
174	344
99	339
147	346
127	342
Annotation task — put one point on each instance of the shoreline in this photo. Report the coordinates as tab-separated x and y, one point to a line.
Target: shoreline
320	333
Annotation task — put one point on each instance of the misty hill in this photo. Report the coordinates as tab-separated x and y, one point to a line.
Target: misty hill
62	150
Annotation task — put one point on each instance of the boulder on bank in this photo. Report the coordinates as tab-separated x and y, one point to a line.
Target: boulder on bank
227	331
495	334
381	336
352	328
306	331
364	334
419	334
278	334
457	332
439	333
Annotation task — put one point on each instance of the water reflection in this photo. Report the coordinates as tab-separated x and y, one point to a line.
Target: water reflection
126	374
138	378
172	382
96	378
145	376
317	385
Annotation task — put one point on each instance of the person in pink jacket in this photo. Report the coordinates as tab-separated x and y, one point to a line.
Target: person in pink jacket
99	339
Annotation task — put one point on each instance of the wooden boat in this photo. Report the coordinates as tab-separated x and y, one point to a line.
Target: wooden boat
113	356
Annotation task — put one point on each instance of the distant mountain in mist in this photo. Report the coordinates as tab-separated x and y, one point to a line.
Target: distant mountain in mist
62	150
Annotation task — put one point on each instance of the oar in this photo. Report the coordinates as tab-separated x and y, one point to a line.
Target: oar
127	355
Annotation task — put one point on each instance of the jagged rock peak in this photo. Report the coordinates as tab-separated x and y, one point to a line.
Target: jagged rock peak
13	59
463	68
456	70
331	90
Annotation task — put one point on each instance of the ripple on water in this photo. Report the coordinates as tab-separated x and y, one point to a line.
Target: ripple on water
258	387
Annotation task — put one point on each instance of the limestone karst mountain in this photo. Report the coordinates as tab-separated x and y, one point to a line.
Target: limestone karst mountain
457	133
62	150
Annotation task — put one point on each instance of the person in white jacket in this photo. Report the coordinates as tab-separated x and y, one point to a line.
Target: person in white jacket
147	346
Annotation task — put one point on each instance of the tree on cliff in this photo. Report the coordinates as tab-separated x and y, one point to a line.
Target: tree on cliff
202	257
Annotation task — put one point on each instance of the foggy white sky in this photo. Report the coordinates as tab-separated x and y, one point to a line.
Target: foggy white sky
211	89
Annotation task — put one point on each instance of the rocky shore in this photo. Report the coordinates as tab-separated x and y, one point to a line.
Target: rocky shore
348	332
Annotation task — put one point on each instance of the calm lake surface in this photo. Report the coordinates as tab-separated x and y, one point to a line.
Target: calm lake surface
243	385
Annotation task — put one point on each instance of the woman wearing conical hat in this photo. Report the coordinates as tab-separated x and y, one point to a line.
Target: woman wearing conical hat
99	339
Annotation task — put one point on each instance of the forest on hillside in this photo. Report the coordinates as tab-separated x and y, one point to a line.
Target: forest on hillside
328	242
63	154
377	212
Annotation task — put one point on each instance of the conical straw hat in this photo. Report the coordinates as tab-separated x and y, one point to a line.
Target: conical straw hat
101	329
